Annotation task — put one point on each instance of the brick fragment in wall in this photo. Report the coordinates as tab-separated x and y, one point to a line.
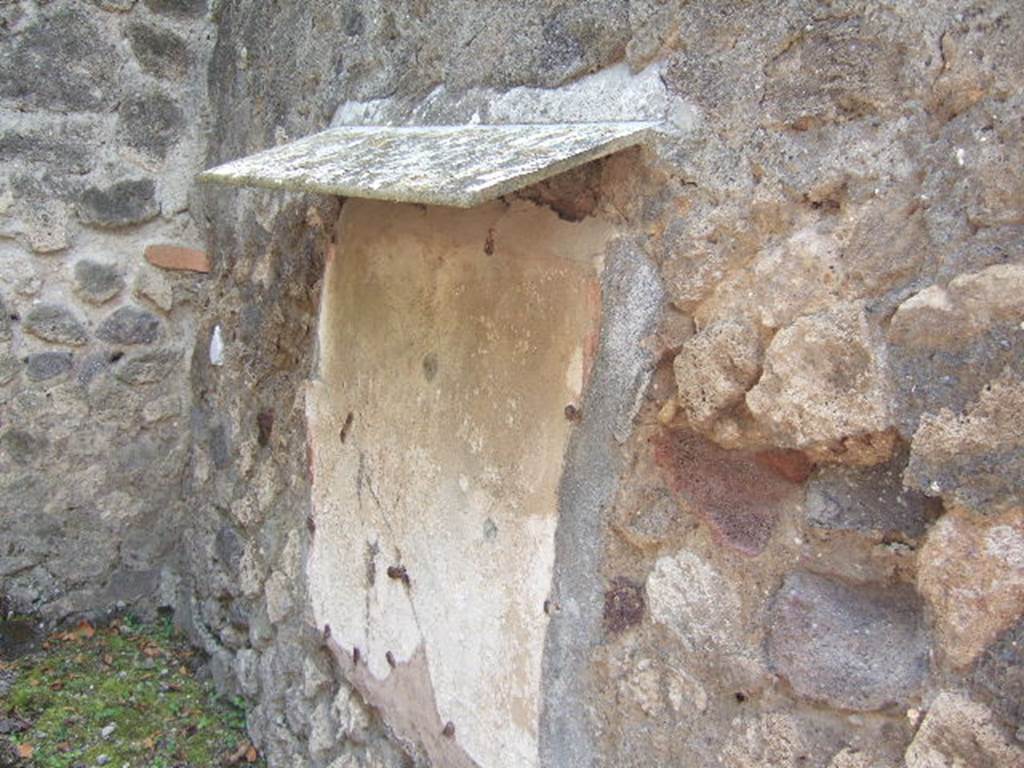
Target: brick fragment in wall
176	257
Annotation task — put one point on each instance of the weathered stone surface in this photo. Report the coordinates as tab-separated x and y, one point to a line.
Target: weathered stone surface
852	647
9	367
5	321
97	282
974	460
838	70
56	323
998	677
776	740
943	318
440	165
62	61
689	596
972	574
715	368
47	365
958	732
159	52
870	499
176	257
151	122
60	146
148	367
129	325
739	494
824	380
120	204
154	287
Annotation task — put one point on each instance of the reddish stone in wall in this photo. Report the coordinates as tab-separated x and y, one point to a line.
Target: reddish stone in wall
738	493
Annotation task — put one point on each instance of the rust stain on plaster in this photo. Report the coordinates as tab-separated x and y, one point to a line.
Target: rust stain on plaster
407	702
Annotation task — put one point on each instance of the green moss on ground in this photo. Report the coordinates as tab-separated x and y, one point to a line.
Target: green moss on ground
138	679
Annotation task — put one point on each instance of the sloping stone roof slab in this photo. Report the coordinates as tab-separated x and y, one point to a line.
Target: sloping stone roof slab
454	165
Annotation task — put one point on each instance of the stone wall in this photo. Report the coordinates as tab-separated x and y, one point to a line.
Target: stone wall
802	547
101	129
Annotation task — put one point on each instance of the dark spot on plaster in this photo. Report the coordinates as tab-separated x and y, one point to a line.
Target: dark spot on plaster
264	426
355	655
327	631
623	605
343	434
311	525
490	529
449	730
740	696
489	242
429	366
115	356
572	413
390	657
398	573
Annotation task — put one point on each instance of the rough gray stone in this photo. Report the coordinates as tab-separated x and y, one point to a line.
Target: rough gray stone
47	365
98	283
852	647
151	122
62	62
120	204
998	677
56	323
869	500
159	52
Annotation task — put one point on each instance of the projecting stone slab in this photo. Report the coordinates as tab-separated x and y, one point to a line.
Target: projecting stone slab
456	165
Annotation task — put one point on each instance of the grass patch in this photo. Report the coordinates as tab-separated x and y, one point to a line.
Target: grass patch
124	696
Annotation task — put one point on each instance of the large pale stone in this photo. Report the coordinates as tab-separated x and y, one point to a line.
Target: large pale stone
824	380
690	597
971	571
960	733
715	368
946	317
460	165
974	460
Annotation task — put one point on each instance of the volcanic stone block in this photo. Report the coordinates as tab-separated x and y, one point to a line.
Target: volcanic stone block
999	676
151	122
120	204
868	500
62	62
960	732
47	365
56	323
97	283
851	647
129	325
159	52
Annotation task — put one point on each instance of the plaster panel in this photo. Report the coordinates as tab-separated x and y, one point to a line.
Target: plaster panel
451	342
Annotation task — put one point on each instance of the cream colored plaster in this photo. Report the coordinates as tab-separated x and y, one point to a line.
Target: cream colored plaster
455	339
